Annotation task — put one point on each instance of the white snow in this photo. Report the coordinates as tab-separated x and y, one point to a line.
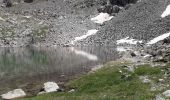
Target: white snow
85	54
147	55
17	93
159	38
122	49
89	33
101	18
27	16
50	87
166	12
127	40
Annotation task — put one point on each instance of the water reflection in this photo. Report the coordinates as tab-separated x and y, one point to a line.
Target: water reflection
85	54
21	66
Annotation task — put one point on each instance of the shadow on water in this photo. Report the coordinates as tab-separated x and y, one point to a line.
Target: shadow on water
22	66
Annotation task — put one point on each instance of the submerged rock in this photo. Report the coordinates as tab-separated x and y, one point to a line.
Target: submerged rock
17	93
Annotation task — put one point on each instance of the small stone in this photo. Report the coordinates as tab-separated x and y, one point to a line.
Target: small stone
17	93
50	87
72	90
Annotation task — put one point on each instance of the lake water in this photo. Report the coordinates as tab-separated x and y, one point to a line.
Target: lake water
22	66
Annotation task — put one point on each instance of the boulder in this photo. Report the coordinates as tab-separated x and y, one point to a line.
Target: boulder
50	87
167	93
17	93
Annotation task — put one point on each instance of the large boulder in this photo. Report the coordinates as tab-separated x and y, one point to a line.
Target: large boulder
17	93
50	87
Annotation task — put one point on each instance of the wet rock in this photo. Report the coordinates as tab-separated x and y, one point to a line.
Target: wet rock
167	93
17	93
50	87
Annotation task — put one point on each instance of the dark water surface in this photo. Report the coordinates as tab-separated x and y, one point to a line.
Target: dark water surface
22	66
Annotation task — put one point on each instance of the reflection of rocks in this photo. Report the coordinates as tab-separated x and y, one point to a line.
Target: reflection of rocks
32	66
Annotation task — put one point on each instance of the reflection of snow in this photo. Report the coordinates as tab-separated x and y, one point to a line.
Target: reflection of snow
89	33
85	54
159	38
166	12
101	18
128	41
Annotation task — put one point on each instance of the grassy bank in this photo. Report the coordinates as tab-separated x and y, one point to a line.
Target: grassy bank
112	82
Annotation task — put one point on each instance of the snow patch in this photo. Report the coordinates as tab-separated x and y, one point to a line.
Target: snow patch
27	17
89	33
166	12
17	93
127	40
159	38
122	49
101	18
85	54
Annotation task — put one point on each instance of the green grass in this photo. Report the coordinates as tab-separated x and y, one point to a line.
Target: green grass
107	84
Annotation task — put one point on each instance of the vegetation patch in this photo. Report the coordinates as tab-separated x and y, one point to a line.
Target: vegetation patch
111	82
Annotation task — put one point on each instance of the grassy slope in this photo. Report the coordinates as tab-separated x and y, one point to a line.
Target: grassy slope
109	84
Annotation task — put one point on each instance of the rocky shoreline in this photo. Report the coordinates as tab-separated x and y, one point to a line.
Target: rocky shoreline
131	26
